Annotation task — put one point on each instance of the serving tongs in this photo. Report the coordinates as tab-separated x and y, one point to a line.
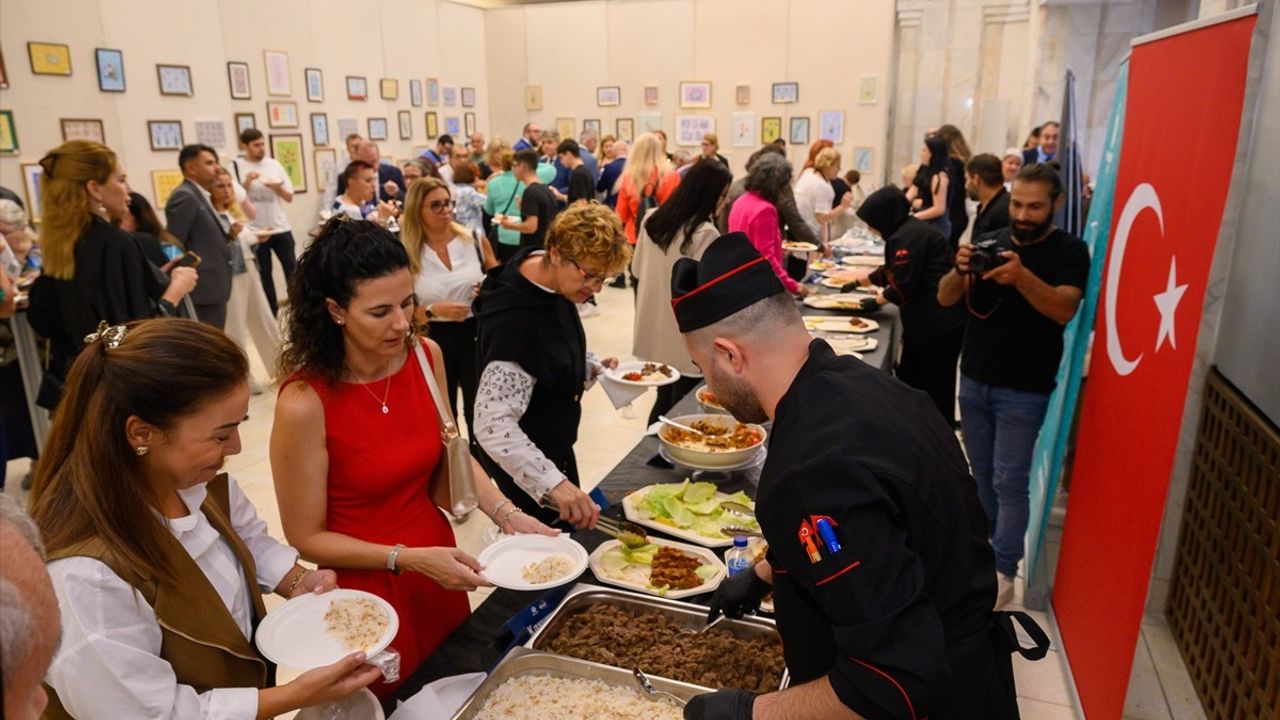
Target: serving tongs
626	532
649	689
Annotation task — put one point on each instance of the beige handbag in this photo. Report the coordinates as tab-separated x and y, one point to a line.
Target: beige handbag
453	486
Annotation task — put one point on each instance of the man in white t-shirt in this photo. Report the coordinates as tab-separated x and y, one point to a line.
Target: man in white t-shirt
268	186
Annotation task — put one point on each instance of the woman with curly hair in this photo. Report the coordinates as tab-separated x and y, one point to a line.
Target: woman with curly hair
535	364
756	213
356	440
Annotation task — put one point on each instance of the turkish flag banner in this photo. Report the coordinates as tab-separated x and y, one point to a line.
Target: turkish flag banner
1182	121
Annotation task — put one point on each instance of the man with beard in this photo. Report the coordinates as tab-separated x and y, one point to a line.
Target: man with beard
878	557
984	182
1020	293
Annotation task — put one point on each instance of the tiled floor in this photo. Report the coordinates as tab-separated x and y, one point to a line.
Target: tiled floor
1160	688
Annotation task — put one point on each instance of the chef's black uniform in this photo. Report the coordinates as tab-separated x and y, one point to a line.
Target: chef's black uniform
899	618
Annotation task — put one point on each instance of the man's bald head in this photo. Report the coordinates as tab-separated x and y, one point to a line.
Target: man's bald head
367	151
29	623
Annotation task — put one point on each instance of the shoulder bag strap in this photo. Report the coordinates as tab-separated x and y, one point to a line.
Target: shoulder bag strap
448	429
511	199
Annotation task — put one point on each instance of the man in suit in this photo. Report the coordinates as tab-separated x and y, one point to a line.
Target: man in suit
1047	149
528	138
191	218
390	178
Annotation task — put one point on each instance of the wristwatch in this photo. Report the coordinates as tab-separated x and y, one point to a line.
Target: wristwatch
430	315
391	559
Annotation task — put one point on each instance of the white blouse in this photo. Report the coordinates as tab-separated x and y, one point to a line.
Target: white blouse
814	194
437	283
109	664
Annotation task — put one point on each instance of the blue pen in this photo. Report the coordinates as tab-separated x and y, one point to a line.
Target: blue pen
828	536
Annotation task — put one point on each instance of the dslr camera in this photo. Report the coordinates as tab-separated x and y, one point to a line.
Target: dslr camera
986	256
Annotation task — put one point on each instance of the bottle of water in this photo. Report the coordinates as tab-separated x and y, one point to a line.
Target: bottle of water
738	557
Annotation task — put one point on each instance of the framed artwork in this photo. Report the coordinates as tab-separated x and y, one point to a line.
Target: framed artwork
770	130
287	150
282	114
8	133
389	89
357	88
82	129
377	128
244	121
32	176
277	62
742	131
831	125
799	131
533	97
346	128
742	94
650	94
405	119
468	97
867	90
564	126
314	79
469	123
326	165
49	58
238	80
212	133
163	183
591	126
175	80
165	134
626	129
695	94
691	128
785	93
110	69
4	73
650	121
415	93
863	158
608	96
449	95
433	127
452	126
433	92
319	129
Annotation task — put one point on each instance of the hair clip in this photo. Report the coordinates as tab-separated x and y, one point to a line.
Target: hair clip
110	335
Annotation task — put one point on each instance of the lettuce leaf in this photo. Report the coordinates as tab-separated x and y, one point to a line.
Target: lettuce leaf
706	572
699	492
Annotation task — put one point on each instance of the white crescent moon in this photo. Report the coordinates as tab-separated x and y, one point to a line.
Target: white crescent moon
1143	197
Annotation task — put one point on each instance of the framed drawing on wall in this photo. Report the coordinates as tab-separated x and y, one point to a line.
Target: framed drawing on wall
377	129
405	119
831	125
32	175
282	114
212	133
357	88
110	69
238	80
650	121
287	150
8	133
742	130
433	126
863	159
533	97
695	94
468	97
469	123
346	128
449	95
82	129
799	131
49	58
626	129
608	96
314	80
433	92
770	129
319	129
564	126
163	183
415	93
175	80
691	128
277	62
452	126
591	126
4	73
244	121
165	134
742	94
867	90
326	160
785	93
389	89
650	94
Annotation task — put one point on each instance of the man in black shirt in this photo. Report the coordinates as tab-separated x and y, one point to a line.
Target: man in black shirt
582	184
984	181
537	206
1012	347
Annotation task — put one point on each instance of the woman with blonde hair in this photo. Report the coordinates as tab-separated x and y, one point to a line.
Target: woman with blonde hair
93	271
648	179
815	196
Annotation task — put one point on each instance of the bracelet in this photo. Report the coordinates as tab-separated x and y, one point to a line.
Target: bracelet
507	517
293	585
498	506
391	559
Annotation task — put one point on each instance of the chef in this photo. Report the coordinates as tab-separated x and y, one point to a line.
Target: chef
882	575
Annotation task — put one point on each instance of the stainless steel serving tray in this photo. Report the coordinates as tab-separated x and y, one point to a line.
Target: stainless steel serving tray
679	613
523	661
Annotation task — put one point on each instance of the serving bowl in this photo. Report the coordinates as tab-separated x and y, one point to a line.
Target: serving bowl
710	458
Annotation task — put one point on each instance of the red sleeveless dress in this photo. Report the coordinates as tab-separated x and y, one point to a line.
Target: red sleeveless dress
379	470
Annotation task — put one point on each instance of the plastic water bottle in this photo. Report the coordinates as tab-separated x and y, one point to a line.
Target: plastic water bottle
738	557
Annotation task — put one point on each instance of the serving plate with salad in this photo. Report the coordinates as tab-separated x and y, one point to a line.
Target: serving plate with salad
691	511
658	567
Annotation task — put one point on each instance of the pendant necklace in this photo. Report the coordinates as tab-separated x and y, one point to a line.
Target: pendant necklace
385	394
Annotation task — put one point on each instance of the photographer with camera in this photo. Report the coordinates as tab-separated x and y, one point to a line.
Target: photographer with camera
1021	285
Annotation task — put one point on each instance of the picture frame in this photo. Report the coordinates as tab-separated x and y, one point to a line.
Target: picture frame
82	129
110	63
313	80
4	72
319	129
868	89
163	183
175	80
770	129
592	126
565	126
8	133
213	133
831	125
282	114
650	121
785	93
346	128
389	89
452	126
287	150
49	58
609	96
695	94
433	126
244	121
415	92
650	94
468	97
691	128
742	94
277	63
864	160
799	134
433	92
533	97
625	129
449	95
377	129
165	134
357	88
238	81
32	176
742	129
325	164
469	124
405	119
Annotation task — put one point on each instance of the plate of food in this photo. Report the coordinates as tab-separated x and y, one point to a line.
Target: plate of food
799	247
692	511
852	344
267	231
659	567
643	374
837	301
837	282
532	562
708	399
716	441
863	260
822	265
828	323
312	630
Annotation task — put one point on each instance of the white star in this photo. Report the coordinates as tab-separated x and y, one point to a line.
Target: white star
1167	304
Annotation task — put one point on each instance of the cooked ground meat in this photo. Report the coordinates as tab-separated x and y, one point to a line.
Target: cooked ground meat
615	636
674	569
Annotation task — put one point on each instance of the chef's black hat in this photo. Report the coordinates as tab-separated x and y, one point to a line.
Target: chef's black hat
731	276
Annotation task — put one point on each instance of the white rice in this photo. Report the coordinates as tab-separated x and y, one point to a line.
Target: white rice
552	567
532	697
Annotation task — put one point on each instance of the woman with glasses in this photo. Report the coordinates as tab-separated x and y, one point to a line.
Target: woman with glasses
535	364
447	263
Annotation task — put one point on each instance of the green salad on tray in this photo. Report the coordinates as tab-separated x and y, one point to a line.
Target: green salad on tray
695	506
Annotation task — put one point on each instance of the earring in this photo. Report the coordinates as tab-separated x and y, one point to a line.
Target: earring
340	321
141	450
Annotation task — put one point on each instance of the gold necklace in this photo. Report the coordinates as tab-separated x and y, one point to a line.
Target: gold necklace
385	394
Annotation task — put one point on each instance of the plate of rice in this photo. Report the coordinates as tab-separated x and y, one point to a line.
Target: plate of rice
312	630
533	562
541	697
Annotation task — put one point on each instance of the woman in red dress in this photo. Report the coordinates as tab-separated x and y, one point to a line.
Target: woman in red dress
356	440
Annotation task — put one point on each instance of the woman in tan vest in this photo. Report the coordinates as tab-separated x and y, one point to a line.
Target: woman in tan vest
150	544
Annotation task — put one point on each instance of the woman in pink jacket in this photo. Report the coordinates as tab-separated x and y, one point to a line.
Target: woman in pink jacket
756	213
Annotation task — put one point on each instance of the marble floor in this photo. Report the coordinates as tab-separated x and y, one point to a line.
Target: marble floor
1160	688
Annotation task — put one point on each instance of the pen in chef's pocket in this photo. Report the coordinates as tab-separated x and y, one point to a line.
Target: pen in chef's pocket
806	539
828	535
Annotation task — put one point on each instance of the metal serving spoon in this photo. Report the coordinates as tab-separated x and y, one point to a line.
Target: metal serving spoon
668	421
731	530
649	689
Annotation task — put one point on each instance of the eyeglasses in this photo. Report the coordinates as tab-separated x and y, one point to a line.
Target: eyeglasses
595	279
440	205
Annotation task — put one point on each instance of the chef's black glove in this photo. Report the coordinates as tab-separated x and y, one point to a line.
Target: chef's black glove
738	594
849	286
731	704
869	305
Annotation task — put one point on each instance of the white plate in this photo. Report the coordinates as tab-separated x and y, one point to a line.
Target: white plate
863	260
836	301
837	283
754	460
294	634
504	559
852	344
707	557
799	247
840	324
824	265
630	508
766	606
267	231
636	366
